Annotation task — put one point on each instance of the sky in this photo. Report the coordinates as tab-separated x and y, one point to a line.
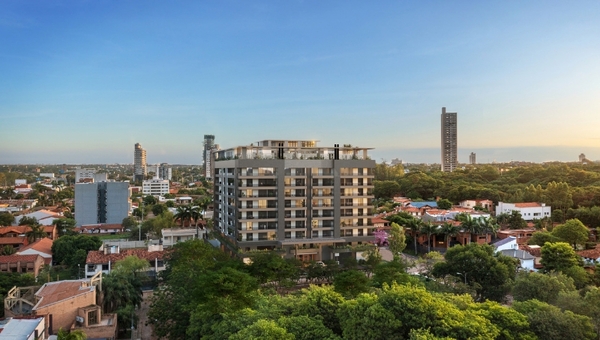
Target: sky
83	81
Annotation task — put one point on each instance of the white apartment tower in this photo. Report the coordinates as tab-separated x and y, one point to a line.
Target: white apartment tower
291	195
139	163
473	158
209	146
449	141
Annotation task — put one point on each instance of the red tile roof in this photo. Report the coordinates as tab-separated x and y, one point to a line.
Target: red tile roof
527	205
53	292
43	246
19	258
98	256
590	253
22	240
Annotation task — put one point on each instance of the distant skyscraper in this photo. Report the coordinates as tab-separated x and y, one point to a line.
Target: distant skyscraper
102	202
473	158
449	141
209	145
164	171
139	163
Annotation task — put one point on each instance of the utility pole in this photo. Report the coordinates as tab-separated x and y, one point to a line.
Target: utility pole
142	221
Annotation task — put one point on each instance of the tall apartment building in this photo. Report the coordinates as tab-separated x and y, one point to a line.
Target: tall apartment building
209	146
473	158
294	196
139	163
102	202
164	171
449	141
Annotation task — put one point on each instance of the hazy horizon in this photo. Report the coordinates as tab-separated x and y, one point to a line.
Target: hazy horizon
82	82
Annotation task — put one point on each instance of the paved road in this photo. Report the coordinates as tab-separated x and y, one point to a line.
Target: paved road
144	332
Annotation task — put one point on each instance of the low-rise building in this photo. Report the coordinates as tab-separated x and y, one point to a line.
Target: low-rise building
21	264
155	187
526	260
104	259
170	237
484	204
114	228
42	247
26	328
529	210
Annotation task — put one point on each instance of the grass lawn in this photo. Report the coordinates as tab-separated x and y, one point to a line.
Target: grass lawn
111	237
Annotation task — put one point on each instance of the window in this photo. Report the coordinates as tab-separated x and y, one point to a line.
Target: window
93	317
105	267
249	237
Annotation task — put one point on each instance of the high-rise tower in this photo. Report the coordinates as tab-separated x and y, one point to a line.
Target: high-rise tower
449	141
139	163
209	145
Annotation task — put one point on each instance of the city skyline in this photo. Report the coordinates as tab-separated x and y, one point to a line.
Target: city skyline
82	82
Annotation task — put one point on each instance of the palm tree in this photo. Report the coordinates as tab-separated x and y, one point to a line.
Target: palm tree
183	214
36	231
429	229
414	225
488	225
470	225
449	230
72	335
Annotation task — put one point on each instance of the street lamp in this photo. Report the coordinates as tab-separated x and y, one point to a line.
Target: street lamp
463	274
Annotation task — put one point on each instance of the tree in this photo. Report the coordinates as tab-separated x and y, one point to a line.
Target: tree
542	237
158	209
183	215
542	287
65	226
263	330
72	335
350	283
449	230
444	204
386	189
150	200
516	221
35	232
396	240
68	250
388	273
429	229
512	324
129	222
489	273
549	323
572	232
414	225
7	250
306	328
428	261
26	220
6	219
558	257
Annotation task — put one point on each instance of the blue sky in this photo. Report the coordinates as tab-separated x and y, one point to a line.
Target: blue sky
83	81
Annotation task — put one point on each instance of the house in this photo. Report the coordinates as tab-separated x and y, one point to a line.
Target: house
172	236
101	228
590	256
104	259
41	247
44	217
21	264
380	223
25	328
522	235
529	210
526	260
485	204
69	304
13	205
509	243
13	236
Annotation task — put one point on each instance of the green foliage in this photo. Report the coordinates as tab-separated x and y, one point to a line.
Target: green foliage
558	256
72	335
6	219
550	323
350	283
72	250
512	324
542	287
306	327
572	232
263	330
30	221
542	237
397	240
444	203
158	209
490	274
385	189
65	226
388	273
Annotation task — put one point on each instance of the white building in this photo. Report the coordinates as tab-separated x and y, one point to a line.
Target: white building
82	174
526	260
164	171
529	211
155	187
173	236
509	243
20	181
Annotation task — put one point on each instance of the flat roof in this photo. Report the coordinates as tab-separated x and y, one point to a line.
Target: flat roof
19	329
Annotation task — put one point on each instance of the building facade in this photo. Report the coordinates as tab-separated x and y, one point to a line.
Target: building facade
82	175
473	158
139	163
294	196
164	171
103	202
449	141
529	210
209	146
155	187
